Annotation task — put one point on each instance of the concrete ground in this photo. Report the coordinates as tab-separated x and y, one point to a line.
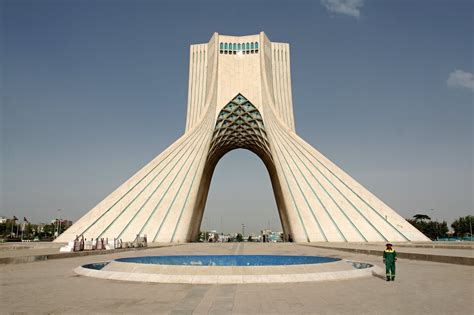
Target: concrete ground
28	249
420	287
464	249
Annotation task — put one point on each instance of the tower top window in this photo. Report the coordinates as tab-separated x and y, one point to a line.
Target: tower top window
233	48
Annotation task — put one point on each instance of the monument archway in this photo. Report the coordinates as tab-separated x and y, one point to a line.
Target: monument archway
239	125
239	96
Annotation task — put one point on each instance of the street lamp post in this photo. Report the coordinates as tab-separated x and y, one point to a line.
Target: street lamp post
59	222
11	234
470	228
205	229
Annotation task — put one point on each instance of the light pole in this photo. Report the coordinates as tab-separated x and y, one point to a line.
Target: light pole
13	223
470	227
205	229
59	222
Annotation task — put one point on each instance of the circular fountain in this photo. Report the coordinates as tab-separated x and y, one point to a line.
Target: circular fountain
225	269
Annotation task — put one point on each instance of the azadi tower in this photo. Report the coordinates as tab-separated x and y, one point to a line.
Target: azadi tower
240	97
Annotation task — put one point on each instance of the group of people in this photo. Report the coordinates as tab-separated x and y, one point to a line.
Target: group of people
82	243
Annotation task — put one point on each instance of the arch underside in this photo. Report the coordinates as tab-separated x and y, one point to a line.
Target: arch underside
239	125
316	200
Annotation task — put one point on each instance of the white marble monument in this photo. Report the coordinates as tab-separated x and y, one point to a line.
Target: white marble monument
240	97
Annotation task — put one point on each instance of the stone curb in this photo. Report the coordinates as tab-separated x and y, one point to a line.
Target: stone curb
457	260
34	258
231	279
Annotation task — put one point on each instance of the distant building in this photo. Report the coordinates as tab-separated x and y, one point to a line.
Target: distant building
271	236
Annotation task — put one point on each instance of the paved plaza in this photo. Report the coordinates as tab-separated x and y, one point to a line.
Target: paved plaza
420	287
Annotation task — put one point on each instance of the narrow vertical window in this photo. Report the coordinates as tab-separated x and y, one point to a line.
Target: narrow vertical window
225	45
251	45
235	46
230	46
221	46
239	47
256	45
247	46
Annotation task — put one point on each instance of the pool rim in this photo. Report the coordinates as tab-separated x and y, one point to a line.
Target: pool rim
261	274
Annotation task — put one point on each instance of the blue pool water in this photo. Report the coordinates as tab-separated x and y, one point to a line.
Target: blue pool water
228	260
96	266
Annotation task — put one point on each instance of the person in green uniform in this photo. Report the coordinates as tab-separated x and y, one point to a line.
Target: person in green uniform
389	258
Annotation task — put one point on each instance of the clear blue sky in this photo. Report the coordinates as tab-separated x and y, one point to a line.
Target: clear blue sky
93	90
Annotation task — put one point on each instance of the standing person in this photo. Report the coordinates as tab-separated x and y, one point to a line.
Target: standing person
389	258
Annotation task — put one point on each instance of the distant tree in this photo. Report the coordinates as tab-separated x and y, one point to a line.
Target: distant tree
6	228
239	238
9	229
432	229
48	230
421	217
463	225
28	233
202	236
250	238
439	229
